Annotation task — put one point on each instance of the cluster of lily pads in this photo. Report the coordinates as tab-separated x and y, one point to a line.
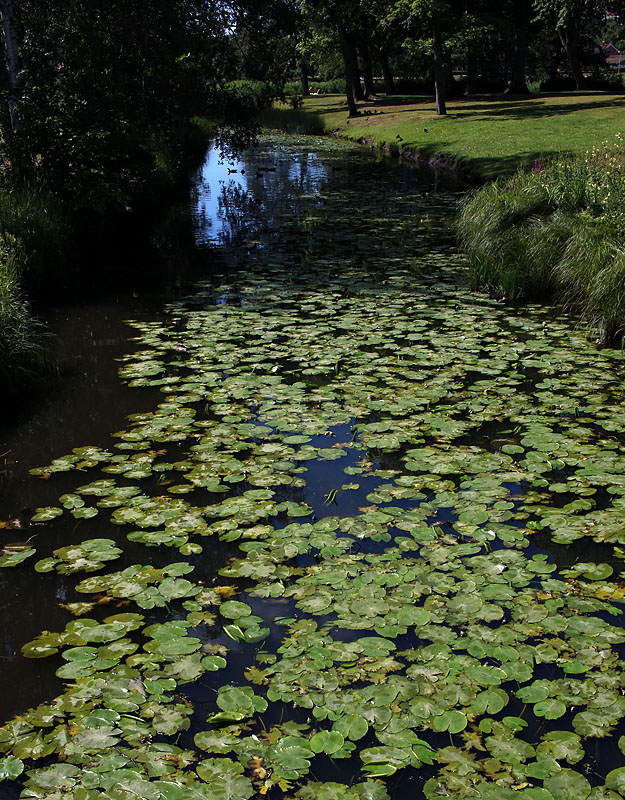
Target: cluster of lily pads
401	469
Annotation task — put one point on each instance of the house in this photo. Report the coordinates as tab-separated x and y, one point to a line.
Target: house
613	56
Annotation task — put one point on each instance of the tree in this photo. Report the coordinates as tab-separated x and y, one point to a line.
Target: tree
569	17
106	91
11	61
435	22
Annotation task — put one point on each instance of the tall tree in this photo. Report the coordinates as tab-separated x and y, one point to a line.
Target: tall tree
11	62
435	22
569	18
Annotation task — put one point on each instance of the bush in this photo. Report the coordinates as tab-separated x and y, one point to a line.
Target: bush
414	85
606	79
244	99
335	86
562	83
554	232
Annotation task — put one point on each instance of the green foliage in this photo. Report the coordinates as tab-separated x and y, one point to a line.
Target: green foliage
34	250
334	86
554	231
22	353
107	90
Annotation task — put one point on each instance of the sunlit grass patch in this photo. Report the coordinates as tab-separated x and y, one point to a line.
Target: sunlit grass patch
491	135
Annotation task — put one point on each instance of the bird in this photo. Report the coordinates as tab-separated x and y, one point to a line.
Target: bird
399	138
425	130
231	171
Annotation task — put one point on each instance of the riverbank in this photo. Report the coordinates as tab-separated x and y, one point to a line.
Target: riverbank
546	223
52	252
482	136
554	232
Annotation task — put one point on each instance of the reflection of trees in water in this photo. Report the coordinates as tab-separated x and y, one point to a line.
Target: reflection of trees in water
272	195
237	209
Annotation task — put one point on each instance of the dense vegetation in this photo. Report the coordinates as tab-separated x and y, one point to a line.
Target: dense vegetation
556	230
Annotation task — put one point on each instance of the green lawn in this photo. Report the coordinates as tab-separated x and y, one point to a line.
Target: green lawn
492	135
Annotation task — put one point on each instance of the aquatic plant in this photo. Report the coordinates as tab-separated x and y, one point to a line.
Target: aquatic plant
433	620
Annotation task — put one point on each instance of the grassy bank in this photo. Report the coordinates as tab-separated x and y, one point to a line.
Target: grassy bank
34	245
557	232
487	136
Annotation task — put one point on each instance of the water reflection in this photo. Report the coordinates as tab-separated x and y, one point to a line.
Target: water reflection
214	179
235	197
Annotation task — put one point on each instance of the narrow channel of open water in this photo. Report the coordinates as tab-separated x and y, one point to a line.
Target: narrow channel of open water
289	213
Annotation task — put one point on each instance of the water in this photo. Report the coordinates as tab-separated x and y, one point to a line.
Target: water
383	500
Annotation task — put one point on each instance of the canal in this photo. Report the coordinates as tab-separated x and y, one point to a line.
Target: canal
324	525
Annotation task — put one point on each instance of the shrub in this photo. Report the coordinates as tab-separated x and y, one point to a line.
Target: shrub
39	230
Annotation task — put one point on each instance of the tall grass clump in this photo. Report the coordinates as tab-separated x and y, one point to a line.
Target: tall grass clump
36	222
23	352
34	245
554	232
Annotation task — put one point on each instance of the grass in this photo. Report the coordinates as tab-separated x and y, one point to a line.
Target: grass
23	352
555	231
488	136
33	255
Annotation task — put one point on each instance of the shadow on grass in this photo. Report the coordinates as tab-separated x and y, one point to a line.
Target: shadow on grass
381	101
491	167
478	170
514	108
522	109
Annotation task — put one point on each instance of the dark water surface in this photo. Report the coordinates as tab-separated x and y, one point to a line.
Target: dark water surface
402	505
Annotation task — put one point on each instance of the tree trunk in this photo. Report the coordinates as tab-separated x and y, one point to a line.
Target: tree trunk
354	71
350	64
303	71
440	75
11	60
569	36
367	69
518	84
387	75
471	71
